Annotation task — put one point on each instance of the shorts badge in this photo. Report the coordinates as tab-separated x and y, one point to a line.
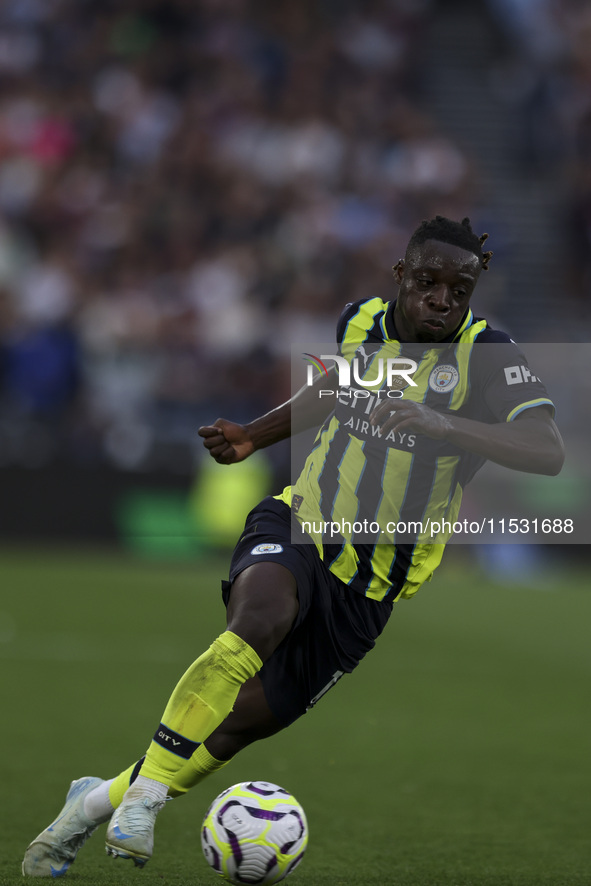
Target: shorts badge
267	548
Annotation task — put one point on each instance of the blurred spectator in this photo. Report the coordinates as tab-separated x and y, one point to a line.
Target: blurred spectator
186	188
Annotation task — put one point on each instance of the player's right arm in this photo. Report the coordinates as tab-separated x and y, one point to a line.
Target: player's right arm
229	442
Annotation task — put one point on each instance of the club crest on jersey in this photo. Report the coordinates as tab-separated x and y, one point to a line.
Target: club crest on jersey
444	378
267	548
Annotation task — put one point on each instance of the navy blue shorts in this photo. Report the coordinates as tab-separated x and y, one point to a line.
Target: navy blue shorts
334	628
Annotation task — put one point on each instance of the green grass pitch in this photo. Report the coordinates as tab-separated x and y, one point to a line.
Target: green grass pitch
456	755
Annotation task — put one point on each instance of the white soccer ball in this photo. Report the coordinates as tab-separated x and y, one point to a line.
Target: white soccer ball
254	832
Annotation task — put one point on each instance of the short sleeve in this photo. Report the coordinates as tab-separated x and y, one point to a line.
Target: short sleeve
506	381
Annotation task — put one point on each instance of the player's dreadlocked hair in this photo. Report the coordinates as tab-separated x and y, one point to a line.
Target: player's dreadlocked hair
457	233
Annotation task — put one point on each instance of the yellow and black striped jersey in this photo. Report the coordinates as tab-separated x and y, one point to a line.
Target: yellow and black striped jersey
358	476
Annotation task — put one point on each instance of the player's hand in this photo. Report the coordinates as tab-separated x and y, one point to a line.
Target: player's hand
405	415
227	441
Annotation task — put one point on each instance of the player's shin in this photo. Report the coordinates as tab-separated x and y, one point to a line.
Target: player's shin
202	699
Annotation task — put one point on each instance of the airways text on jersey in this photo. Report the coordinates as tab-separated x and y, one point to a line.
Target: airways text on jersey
353	409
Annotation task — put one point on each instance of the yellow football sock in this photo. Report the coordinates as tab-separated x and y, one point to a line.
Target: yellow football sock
194	771
201	700
200	765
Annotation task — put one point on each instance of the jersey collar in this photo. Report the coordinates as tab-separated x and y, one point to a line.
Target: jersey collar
392	332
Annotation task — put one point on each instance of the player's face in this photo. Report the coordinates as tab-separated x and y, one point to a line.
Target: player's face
436	281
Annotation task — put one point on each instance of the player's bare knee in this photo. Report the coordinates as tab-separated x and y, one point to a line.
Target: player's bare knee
262	607
262	628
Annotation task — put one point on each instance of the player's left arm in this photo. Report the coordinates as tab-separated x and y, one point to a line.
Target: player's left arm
531	442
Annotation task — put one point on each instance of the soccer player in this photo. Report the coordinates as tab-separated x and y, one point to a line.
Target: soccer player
304	610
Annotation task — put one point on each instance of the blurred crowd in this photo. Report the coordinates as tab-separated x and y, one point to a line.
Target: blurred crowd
186	186
546	71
